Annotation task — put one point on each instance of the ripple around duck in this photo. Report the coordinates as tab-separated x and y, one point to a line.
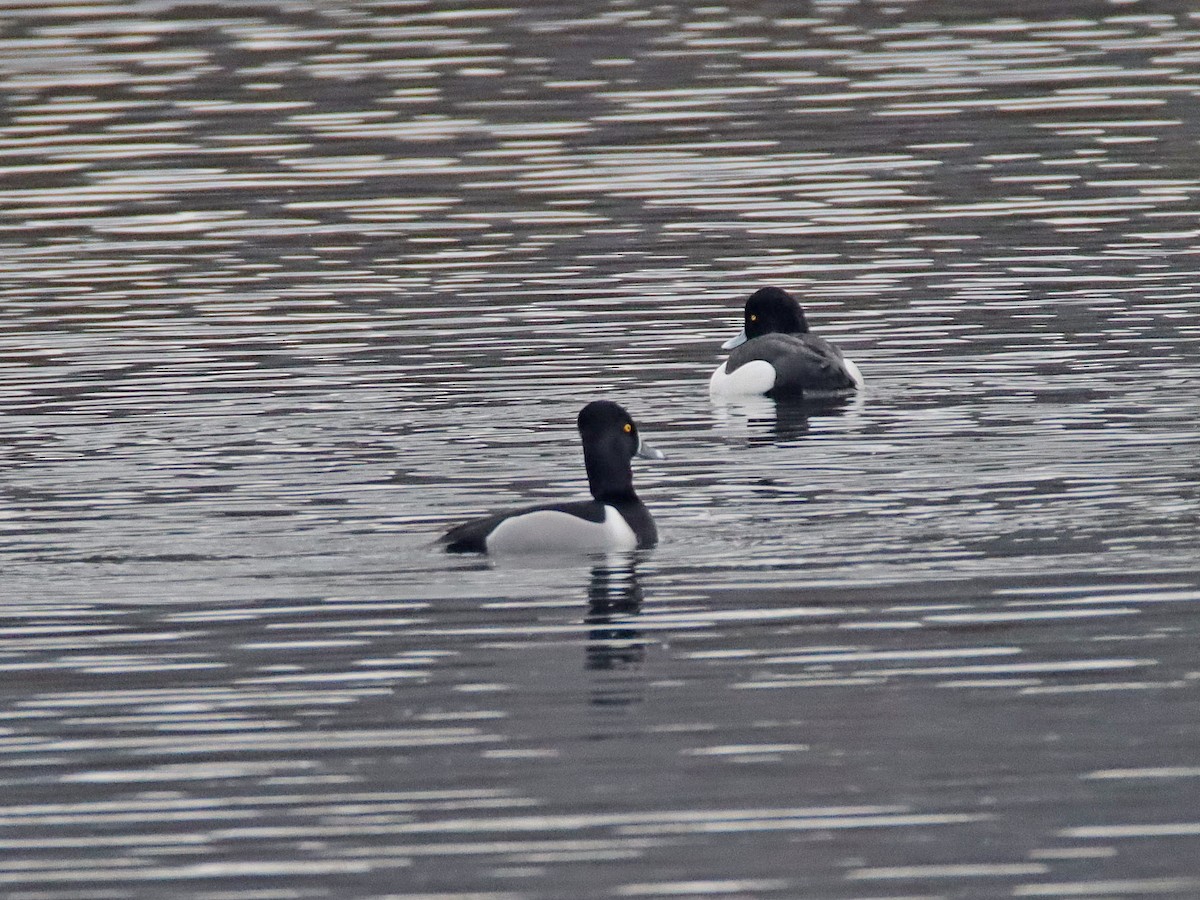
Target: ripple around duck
288	289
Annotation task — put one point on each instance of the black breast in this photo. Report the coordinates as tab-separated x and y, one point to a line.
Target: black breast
639	519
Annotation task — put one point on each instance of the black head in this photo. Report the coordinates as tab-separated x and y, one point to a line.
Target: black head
604	421
773	309
610	440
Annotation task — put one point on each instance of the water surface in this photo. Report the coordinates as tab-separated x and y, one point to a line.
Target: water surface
289	288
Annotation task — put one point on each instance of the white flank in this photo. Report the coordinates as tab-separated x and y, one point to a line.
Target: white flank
755	377
854	373
551	531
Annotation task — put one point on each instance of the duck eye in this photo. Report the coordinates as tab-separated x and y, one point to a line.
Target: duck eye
628	428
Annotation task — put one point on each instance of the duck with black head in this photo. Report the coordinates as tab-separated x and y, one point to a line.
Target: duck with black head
778	356
614	520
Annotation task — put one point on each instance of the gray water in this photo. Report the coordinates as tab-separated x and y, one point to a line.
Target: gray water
290	287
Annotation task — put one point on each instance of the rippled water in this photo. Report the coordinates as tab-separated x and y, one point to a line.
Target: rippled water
289	287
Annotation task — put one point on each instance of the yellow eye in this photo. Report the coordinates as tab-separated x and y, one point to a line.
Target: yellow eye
628	428
753	318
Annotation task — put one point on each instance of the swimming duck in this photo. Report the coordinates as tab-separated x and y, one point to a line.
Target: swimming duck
614	520
776	355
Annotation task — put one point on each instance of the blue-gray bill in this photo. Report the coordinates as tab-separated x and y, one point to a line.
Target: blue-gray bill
645	451
735	341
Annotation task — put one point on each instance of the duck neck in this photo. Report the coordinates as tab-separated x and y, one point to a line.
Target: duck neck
796	323
609	475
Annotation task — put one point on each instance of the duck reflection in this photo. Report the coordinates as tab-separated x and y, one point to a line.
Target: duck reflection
776	421
614	595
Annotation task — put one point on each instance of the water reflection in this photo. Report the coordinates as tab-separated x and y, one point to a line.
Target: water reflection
767	421
614	597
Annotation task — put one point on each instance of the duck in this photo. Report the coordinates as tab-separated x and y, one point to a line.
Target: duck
776	355
614	520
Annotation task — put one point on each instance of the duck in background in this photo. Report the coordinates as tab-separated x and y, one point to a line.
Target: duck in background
776	355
